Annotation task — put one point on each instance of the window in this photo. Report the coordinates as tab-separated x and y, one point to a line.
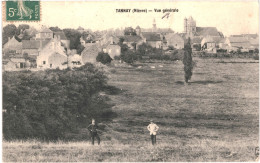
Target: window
50	65
44	62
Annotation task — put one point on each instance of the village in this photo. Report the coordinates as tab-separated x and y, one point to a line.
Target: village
50	48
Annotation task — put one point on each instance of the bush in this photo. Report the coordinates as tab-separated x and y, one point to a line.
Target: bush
49	104
104	58
129	57
256	56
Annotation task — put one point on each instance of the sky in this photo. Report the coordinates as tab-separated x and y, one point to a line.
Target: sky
232	17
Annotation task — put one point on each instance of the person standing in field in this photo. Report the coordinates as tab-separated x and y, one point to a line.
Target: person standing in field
93	132
153	128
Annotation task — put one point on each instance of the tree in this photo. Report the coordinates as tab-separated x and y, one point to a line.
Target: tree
129	31
74	37
8	32
80	48
55	29
124	47
104	58
87	36
129	57
40	104
187	61
21	28
134	45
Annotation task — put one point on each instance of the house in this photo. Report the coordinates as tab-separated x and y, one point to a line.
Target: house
211	44
152	39
130	40
33	47
64	41
175	40
113	50
14	64
75	60
44	34
196	43
12	46
235	43
109	39
90	53
53	55
254	43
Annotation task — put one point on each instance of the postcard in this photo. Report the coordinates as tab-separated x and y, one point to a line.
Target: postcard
130	81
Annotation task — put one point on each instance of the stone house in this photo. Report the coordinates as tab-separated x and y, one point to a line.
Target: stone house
113	50
152	39
175	40
53	55
14	64
211	44
234	43
12	46
90	53
129	40
64	41
33	47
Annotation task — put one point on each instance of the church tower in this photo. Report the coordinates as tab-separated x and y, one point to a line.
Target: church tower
154	25
191	26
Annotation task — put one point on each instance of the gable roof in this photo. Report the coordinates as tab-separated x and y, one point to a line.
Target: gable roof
13	44
237	39
61	34
254	41
196	40
208	31
33	44
150	36
90	48
113	46
210	39
174	36
132	38
45	30
253	36
90	53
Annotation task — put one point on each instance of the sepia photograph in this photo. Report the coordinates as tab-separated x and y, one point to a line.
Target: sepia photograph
130	81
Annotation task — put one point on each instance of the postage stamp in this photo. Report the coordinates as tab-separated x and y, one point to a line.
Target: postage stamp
22	10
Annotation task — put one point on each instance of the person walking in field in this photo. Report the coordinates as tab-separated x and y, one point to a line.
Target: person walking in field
93	132
153	128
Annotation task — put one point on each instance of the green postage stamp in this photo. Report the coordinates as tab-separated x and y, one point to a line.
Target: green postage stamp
20	10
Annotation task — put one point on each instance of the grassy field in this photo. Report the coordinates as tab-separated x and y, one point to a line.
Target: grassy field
214	118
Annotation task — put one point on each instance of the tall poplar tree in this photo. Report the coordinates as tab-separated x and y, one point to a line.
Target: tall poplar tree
187	61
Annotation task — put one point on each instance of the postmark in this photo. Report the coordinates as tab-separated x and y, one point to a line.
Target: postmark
22	10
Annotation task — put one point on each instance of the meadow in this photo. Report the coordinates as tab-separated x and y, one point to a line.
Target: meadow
213	118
